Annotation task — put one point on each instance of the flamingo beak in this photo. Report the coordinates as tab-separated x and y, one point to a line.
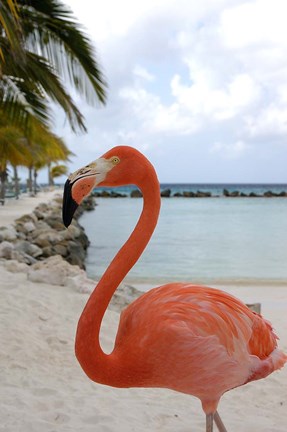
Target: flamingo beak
69	204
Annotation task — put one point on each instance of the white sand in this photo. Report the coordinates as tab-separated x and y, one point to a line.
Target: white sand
43	389
12	209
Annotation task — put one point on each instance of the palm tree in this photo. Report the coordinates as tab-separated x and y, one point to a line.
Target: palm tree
55	51
44	148
58	171
9	21
13	151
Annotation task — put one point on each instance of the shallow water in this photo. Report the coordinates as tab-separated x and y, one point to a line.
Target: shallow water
210	241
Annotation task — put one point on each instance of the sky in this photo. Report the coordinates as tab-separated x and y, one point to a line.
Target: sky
200	87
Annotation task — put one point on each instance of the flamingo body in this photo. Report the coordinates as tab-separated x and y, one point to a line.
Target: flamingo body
189	338
170	336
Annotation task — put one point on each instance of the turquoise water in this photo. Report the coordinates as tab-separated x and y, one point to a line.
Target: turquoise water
210	241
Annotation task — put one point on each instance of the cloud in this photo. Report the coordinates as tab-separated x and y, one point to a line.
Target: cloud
209	77
230	150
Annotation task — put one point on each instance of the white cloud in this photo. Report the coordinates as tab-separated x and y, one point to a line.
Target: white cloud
271	121
230	150
254	23
208	75
220	103
143	73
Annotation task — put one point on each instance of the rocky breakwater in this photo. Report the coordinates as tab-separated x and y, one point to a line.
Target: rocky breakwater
39	245
41	234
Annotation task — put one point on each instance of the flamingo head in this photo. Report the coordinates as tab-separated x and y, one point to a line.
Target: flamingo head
120	166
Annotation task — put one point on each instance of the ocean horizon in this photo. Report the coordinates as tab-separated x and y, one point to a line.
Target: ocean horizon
216	189
208	241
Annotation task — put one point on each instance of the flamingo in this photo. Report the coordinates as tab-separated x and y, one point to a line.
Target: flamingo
189	338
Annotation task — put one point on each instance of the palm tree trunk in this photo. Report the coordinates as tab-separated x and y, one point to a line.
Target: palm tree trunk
35	174
50	178
16	181
30	181
3	178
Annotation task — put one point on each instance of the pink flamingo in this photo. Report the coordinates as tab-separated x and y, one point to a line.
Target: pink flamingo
189	338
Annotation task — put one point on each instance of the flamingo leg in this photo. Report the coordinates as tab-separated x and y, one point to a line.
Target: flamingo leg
209	422
219	422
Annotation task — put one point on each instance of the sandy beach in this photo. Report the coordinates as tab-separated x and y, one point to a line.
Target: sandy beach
25	204
43	389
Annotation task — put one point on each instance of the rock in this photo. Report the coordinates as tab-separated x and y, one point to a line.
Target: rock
136	194
165	193
88	203
53	270
124	295
8	233
6	250
56	271
234	194
25	227
28	248
26	218
225	193
55	222
255	307
201	194
76	254
29	226
23	257
72	232
47	238
42	234
60	249
188	194
83	239
81	283
15	266
105	194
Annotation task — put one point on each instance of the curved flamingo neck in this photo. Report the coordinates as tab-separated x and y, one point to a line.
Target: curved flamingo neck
99	366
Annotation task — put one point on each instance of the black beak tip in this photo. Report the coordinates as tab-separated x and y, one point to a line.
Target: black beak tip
69	204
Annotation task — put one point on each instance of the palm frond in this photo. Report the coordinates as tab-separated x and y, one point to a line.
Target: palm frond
51	27
10	23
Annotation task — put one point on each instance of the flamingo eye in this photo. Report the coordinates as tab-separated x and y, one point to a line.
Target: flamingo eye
115	160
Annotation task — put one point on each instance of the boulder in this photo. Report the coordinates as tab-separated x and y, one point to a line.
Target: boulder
56	271
76	254
188	194
28	248
15	266
201	194
136	193
31	217
53	270
8	233
165	193
6	250
55	222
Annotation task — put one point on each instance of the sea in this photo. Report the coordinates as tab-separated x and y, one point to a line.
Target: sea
214	241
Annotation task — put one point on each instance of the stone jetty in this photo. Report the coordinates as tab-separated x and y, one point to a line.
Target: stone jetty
41	234
167	193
